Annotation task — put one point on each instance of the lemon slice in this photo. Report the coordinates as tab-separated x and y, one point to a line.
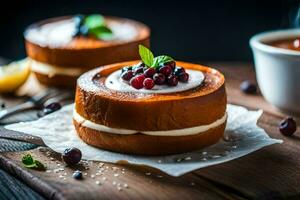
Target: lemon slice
13	75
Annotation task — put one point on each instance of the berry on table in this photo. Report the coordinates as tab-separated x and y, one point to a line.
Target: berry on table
288	126
248	87
71	156
77	175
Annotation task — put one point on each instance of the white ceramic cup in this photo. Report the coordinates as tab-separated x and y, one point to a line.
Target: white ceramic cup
278	70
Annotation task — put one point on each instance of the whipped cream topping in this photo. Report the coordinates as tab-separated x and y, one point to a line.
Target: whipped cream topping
61	32
51	70
178	132
114	82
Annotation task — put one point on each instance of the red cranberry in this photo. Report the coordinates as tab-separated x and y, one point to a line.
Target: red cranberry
72	156
149	72
137	82
148	83
127	75
172	80
184	77
288	126
159	78
171	64
179	70
166	70
248	87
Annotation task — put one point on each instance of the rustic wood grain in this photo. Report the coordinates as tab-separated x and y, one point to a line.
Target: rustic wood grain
270	173
143	182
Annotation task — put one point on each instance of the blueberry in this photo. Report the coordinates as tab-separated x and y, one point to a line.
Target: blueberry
77	175
2	105
126	69
179	70
248	87
71	156
50	108
288	126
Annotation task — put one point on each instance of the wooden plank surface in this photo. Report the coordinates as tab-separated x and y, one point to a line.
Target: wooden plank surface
272	172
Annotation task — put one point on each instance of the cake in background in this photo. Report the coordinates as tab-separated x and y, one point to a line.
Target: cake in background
61	49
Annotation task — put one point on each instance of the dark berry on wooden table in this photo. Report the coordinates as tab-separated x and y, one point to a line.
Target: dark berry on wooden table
149	72
288	126
2	105
165	70
172	80
179	70
137	82
148	83
159	78
127	75
77	175
248	87
126	69
184	77
71	156
50	108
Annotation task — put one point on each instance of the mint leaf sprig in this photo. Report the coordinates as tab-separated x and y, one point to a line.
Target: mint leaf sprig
149	59
94	25
30	163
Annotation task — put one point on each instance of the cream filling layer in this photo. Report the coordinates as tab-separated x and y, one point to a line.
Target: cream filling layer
52	70
178	132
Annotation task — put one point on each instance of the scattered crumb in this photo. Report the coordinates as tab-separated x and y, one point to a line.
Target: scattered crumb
125	185
192	183
188	158
116	175
159	176
159	161
98	182
104	178
148	173
114	183
92	176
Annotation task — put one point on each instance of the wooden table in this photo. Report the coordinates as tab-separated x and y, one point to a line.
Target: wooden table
270	173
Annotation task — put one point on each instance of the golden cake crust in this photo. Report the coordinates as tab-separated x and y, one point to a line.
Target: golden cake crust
150	112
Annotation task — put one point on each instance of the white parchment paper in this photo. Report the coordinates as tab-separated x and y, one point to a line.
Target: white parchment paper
242	136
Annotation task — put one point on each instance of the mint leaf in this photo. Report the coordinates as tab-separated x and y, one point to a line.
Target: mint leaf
160	60
93	21
101	32
27	159
29	162
39	165
146	55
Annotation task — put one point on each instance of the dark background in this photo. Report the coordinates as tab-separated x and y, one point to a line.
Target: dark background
187	30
